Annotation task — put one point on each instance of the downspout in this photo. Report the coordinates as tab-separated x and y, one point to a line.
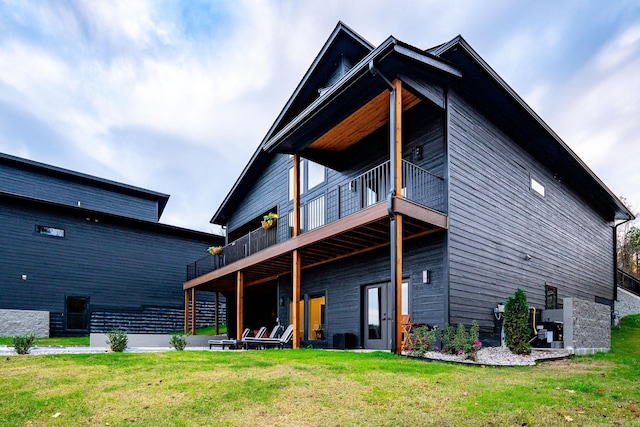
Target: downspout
392	215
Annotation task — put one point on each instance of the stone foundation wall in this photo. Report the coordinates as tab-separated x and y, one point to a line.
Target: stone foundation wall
24	322
626	304
587	326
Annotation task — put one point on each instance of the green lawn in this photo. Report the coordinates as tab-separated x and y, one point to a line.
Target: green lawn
65	341
84	341
319	388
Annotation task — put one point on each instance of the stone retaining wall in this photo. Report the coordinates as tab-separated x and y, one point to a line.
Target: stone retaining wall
587	326
24	322
627	303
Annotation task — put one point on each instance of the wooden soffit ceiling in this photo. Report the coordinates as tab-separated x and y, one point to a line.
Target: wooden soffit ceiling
367	119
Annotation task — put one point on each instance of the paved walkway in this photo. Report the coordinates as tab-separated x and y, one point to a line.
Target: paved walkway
9	351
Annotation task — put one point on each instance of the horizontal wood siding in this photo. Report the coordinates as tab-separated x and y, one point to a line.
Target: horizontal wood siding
495	220
342	283
114	264
271	189
35	185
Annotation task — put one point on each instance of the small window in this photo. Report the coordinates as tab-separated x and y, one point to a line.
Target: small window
551	297
537	187
49	231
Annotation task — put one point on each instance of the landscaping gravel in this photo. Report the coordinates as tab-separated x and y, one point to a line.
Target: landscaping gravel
502	356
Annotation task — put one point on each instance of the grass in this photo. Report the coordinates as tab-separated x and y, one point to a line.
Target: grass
319	388
63	341
84	341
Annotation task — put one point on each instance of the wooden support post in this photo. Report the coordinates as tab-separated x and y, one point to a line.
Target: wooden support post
397	280
295	271
239	303
397	84
193	311
216	317
295	278
296	195
186	311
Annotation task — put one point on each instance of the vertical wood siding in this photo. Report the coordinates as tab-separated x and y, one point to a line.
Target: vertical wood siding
495	220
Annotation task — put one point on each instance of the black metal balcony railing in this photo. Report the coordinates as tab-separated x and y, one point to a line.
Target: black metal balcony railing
338	202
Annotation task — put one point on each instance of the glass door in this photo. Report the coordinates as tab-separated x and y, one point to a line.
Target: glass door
376	320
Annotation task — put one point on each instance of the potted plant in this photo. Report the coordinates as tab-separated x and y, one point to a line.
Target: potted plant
269	220
215	250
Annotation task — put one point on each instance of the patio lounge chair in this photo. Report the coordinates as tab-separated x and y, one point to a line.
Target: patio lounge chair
233	343
281	342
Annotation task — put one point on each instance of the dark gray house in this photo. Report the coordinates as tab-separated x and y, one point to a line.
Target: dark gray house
407	181
90	252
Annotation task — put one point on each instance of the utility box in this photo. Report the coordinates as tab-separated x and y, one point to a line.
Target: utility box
344	341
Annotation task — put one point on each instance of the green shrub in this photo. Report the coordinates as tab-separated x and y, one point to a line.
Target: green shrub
459	341
117	340
420	340
23	343
516	323
178	341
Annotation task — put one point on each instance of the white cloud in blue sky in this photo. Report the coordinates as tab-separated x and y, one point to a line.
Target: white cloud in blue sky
175	96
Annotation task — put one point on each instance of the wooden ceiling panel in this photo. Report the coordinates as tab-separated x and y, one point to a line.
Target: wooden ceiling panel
362	122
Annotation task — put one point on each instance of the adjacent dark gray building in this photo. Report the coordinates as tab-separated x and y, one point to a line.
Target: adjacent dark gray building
408	181
91	252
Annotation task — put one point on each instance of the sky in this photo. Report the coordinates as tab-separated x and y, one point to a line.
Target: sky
175	96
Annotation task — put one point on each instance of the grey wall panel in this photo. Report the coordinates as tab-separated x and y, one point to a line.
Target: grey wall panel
30	183
496	220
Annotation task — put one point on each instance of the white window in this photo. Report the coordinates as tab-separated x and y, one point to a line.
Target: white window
49	231
311	175
316	174
537	187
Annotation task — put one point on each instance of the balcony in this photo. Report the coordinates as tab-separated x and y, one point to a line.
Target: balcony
421	188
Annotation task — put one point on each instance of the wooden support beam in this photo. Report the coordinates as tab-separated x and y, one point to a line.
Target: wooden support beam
295	279
186	311
296	195
193	311
397	84
239	303
397	280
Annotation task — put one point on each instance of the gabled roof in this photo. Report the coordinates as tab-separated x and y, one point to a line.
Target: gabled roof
507	109
104	217
342	41
88	180
306	114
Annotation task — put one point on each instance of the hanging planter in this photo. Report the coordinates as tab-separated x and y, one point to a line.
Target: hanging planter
269	220
215	250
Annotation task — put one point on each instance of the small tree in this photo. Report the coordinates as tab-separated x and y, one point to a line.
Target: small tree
516	323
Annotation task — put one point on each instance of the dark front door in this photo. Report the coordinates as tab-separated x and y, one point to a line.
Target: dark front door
77	314
376	320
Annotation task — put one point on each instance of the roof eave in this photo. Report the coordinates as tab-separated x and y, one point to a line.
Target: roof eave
460	42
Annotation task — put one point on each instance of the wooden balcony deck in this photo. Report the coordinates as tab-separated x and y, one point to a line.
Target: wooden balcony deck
365	230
